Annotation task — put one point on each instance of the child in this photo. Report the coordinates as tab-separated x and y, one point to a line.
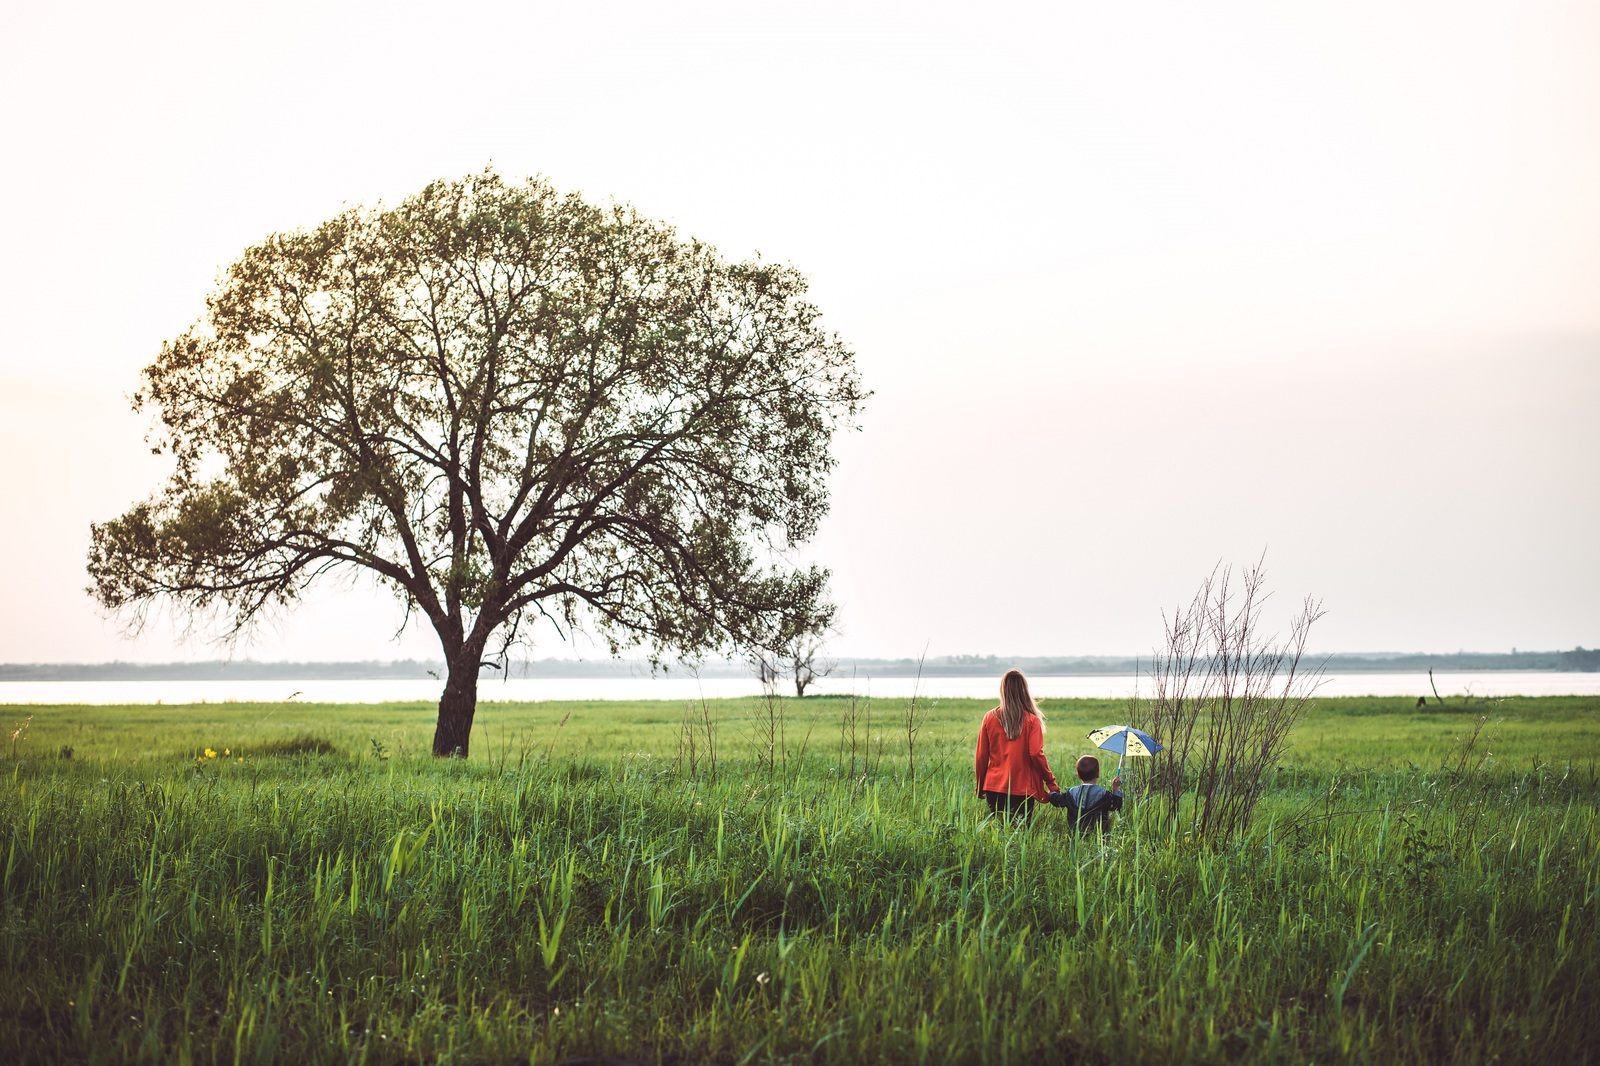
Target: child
1088	805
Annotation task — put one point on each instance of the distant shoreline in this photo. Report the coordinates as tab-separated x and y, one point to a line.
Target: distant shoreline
1578	660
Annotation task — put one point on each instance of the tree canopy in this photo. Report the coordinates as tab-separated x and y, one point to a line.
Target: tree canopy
506	403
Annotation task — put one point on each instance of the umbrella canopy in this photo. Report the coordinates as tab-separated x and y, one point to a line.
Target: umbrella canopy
1124	740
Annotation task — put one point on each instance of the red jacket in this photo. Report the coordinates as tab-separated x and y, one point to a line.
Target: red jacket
1015	766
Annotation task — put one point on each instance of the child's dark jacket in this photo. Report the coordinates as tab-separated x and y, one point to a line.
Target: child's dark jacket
1088	806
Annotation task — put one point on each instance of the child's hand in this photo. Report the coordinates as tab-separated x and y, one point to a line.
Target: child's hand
1116	784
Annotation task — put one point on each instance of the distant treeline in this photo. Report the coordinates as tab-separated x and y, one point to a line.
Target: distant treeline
215	670
1378	662
1586	659
1576	659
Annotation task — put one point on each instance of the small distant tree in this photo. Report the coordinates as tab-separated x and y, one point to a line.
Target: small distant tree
1225	694
807	662
796	648
507	404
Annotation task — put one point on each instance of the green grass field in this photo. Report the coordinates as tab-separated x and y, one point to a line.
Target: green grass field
1407	892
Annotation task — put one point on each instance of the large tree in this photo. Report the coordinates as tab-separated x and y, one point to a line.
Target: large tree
506	404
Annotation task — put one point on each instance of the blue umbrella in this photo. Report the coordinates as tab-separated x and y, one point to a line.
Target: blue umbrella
1125	740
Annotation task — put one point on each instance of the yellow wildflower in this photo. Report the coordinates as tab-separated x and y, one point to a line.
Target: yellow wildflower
210	754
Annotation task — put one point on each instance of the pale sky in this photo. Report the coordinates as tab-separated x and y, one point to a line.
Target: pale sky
1138	287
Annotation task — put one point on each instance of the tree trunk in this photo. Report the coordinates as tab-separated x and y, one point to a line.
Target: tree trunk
453	734
804	674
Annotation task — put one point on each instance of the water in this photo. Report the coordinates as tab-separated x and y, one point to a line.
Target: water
1103	686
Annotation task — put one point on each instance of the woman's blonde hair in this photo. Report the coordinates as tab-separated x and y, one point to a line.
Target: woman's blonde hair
1015	702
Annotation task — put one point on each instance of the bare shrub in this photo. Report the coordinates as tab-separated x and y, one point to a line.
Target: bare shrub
850	738
916	718
769	740
697	740
1224	696
857	761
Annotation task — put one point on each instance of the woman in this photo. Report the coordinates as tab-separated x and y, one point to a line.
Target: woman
1012	771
